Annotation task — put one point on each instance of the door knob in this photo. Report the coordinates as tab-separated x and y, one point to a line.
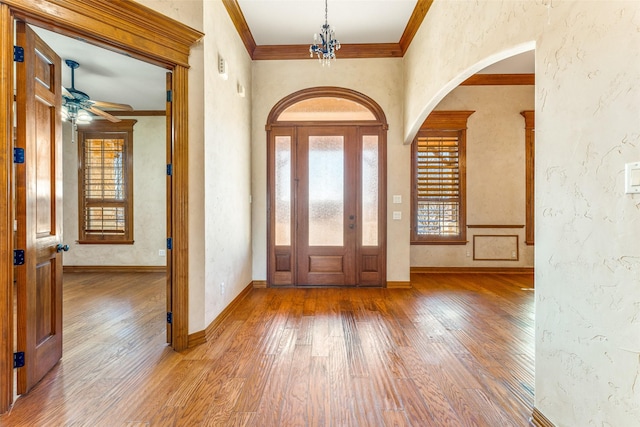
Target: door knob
62	247
351	226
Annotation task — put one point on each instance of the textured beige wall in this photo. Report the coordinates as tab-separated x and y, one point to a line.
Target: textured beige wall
587	98
219	160
380	79
227	163
587	255
495	174
191	13
149	209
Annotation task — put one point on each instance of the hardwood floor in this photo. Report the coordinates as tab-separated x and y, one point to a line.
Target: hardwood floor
456	350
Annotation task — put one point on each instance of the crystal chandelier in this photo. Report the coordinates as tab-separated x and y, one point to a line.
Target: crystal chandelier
327	45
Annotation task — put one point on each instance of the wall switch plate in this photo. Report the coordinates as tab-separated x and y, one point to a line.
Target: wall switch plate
397	198
632	178
162	252
222	68
397	215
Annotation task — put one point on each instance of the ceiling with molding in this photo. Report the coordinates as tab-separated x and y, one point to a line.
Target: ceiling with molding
109	76
278	22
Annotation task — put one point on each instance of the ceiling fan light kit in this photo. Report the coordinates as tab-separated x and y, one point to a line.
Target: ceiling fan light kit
79	108
325	44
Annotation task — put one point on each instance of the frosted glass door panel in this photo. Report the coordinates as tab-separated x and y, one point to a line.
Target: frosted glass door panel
370	190
283	190
326	191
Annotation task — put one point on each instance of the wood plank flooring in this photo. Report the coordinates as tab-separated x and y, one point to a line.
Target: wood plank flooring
455	350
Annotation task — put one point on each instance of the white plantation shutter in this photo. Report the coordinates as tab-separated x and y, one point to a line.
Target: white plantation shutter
105	182
438	185
104	187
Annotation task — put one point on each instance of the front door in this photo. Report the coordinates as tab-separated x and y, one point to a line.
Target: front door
38	208
326	205
326	184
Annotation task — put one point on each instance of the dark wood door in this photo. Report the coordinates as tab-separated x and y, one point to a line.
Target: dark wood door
38	208
327	222
326	208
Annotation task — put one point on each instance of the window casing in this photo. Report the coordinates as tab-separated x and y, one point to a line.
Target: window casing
439	180
105	182
530	150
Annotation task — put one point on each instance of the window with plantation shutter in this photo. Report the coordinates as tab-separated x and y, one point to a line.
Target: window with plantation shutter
439	149
105	181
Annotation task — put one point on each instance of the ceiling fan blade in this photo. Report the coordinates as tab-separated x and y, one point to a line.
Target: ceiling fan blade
101	113
66	93
112	105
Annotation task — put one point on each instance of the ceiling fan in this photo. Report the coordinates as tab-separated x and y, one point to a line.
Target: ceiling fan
76	104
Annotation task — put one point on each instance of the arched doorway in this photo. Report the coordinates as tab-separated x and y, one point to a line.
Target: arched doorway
326	190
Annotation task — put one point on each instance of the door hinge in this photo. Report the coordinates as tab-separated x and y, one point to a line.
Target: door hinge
169	317
169	169
18	359
169	96
18	257
169	243
18	155
18	54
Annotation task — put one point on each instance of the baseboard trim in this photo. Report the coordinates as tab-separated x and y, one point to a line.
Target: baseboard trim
201	337
478	270
259	284
539	420
197	338
399	285
114	269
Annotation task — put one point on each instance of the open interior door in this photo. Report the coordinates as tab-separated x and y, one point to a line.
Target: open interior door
38	208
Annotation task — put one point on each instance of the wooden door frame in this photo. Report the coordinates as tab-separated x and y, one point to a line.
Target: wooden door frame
126	27
274	128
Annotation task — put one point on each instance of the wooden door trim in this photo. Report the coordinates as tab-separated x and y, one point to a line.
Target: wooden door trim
123	26
180	210
6	210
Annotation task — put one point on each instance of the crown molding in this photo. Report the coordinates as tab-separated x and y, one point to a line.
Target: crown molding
299	51
237	17
419	12
359	51
135	113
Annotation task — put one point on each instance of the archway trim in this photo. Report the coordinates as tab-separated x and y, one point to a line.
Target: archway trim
327	91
